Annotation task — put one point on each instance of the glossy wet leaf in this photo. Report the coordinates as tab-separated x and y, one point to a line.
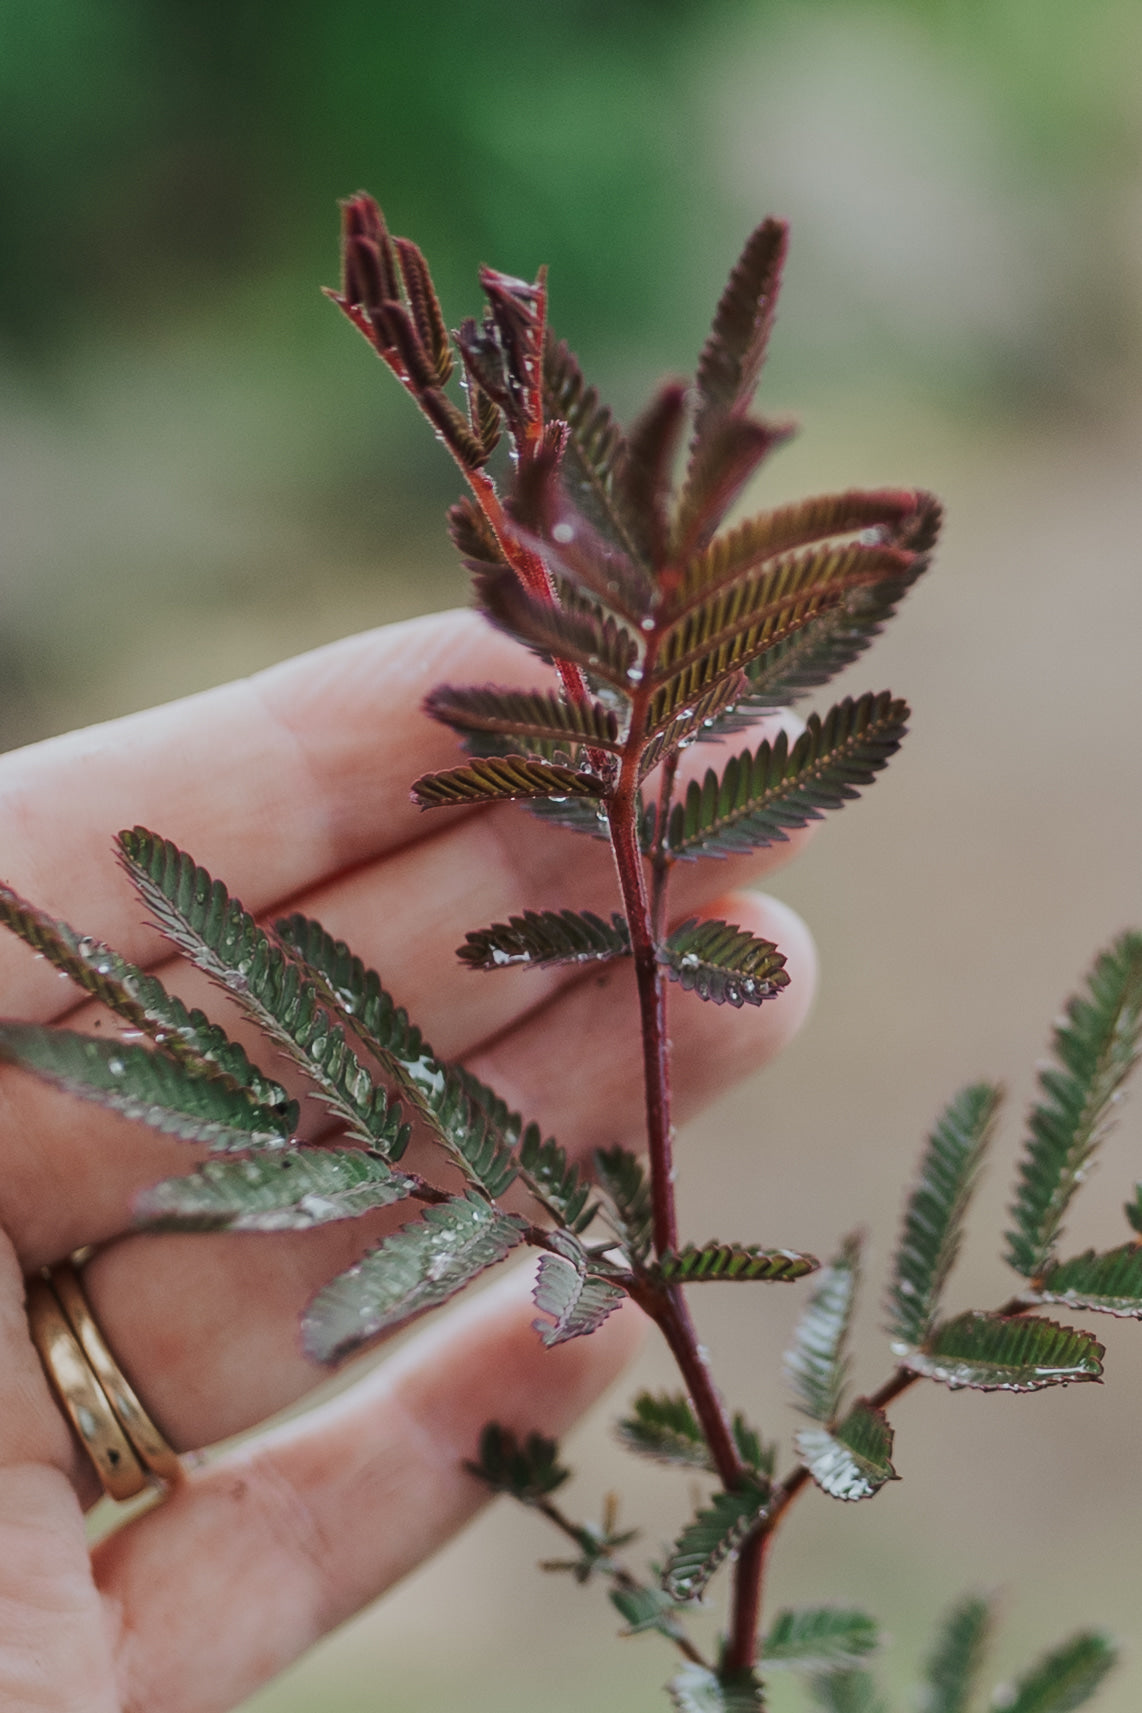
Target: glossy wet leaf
819	1639
953	1670
733	1261
1109	1284
715	1533
544	937
286	1190
992	1353
724	963
1062	1680
853	1460
816	1363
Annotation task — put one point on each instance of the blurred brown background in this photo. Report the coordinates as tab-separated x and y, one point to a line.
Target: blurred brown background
202	471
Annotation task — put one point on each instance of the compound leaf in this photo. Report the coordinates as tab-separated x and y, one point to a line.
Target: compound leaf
712	1536
1063	1679
954	1668
143	1083
816	1364
545	720
733	355
778	786
502	779
416	1268
733	1261
553	1180
1095	1048
286	1190
993	1353
933	1219
854	1459
577	1300
697	1689
622	1178
1110	1283
645	1609
528	1469
663	1426
541	937
819	1639
724	963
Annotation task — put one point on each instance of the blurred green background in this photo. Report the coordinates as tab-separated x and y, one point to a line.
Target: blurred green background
203	470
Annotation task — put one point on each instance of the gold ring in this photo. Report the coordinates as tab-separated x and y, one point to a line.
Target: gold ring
126	1447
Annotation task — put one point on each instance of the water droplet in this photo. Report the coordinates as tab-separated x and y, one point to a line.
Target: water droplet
634	674
647	623
116	1067
563	532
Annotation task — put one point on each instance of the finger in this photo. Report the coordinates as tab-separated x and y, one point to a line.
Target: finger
207	1327
278	1543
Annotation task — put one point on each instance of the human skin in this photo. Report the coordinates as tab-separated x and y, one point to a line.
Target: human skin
293	787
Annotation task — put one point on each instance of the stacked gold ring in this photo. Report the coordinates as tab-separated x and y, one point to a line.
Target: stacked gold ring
127	1449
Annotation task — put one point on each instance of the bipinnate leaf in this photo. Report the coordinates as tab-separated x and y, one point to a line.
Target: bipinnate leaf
595	451
933	1219
1095	1048
1006	1353
528	1469
142	1001
536	722
1063	1679
847	1692
502	779
469	1120
419	1266
216	933
733	1261
1108	1284
724	963
286	1190
541	937
622	1178
953	1670
143	1083
663	1426
697	1689
853	1460
819	1639
715	1533
777	786
816	1363
576	1299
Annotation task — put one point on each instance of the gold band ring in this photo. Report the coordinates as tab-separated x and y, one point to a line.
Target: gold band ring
126	1447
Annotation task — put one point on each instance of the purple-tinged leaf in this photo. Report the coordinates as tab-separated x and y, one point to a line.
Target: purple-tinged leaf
492	779
724	963
538	717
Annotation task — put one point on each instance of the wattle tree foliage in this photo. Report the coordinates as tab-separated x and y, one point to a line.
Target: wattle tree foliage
603	551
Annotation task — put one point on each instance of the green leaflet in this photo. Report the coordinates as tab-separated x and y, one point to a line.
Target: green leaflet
730	1261
541	937
222	938
577	1300
847	1692
544	1168
538	717
663	1427
623	1180
820	1639
472	1125
994	1353
417	1267
1063	1679
287	1190
141	1000
696	1689
502	779
954	1668
854	1459
645	1609
1110	1283
1095	1049
142	1083
761	794
528	1469
933	1219
816	1364
723	963
707	1541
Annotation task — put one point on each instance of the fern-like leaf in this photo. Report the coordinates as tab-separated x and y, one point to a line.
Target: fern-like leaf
622	1178
933	1219
529	1469
577	1300
761	794
724	963
1109	1283
715	1533
819	1639
596	449
143	1083
1062	1680
501	779
142	1001
956	1663
553	1180
816	1364
697	1689
543	720
733	1261
664	1427
542	937
287	1190
1095	1049
696	722
853	1460
416	1268
222	938
998	1353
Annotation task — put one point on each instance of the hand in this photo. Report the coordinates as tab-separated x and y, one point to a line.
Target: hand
293	787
